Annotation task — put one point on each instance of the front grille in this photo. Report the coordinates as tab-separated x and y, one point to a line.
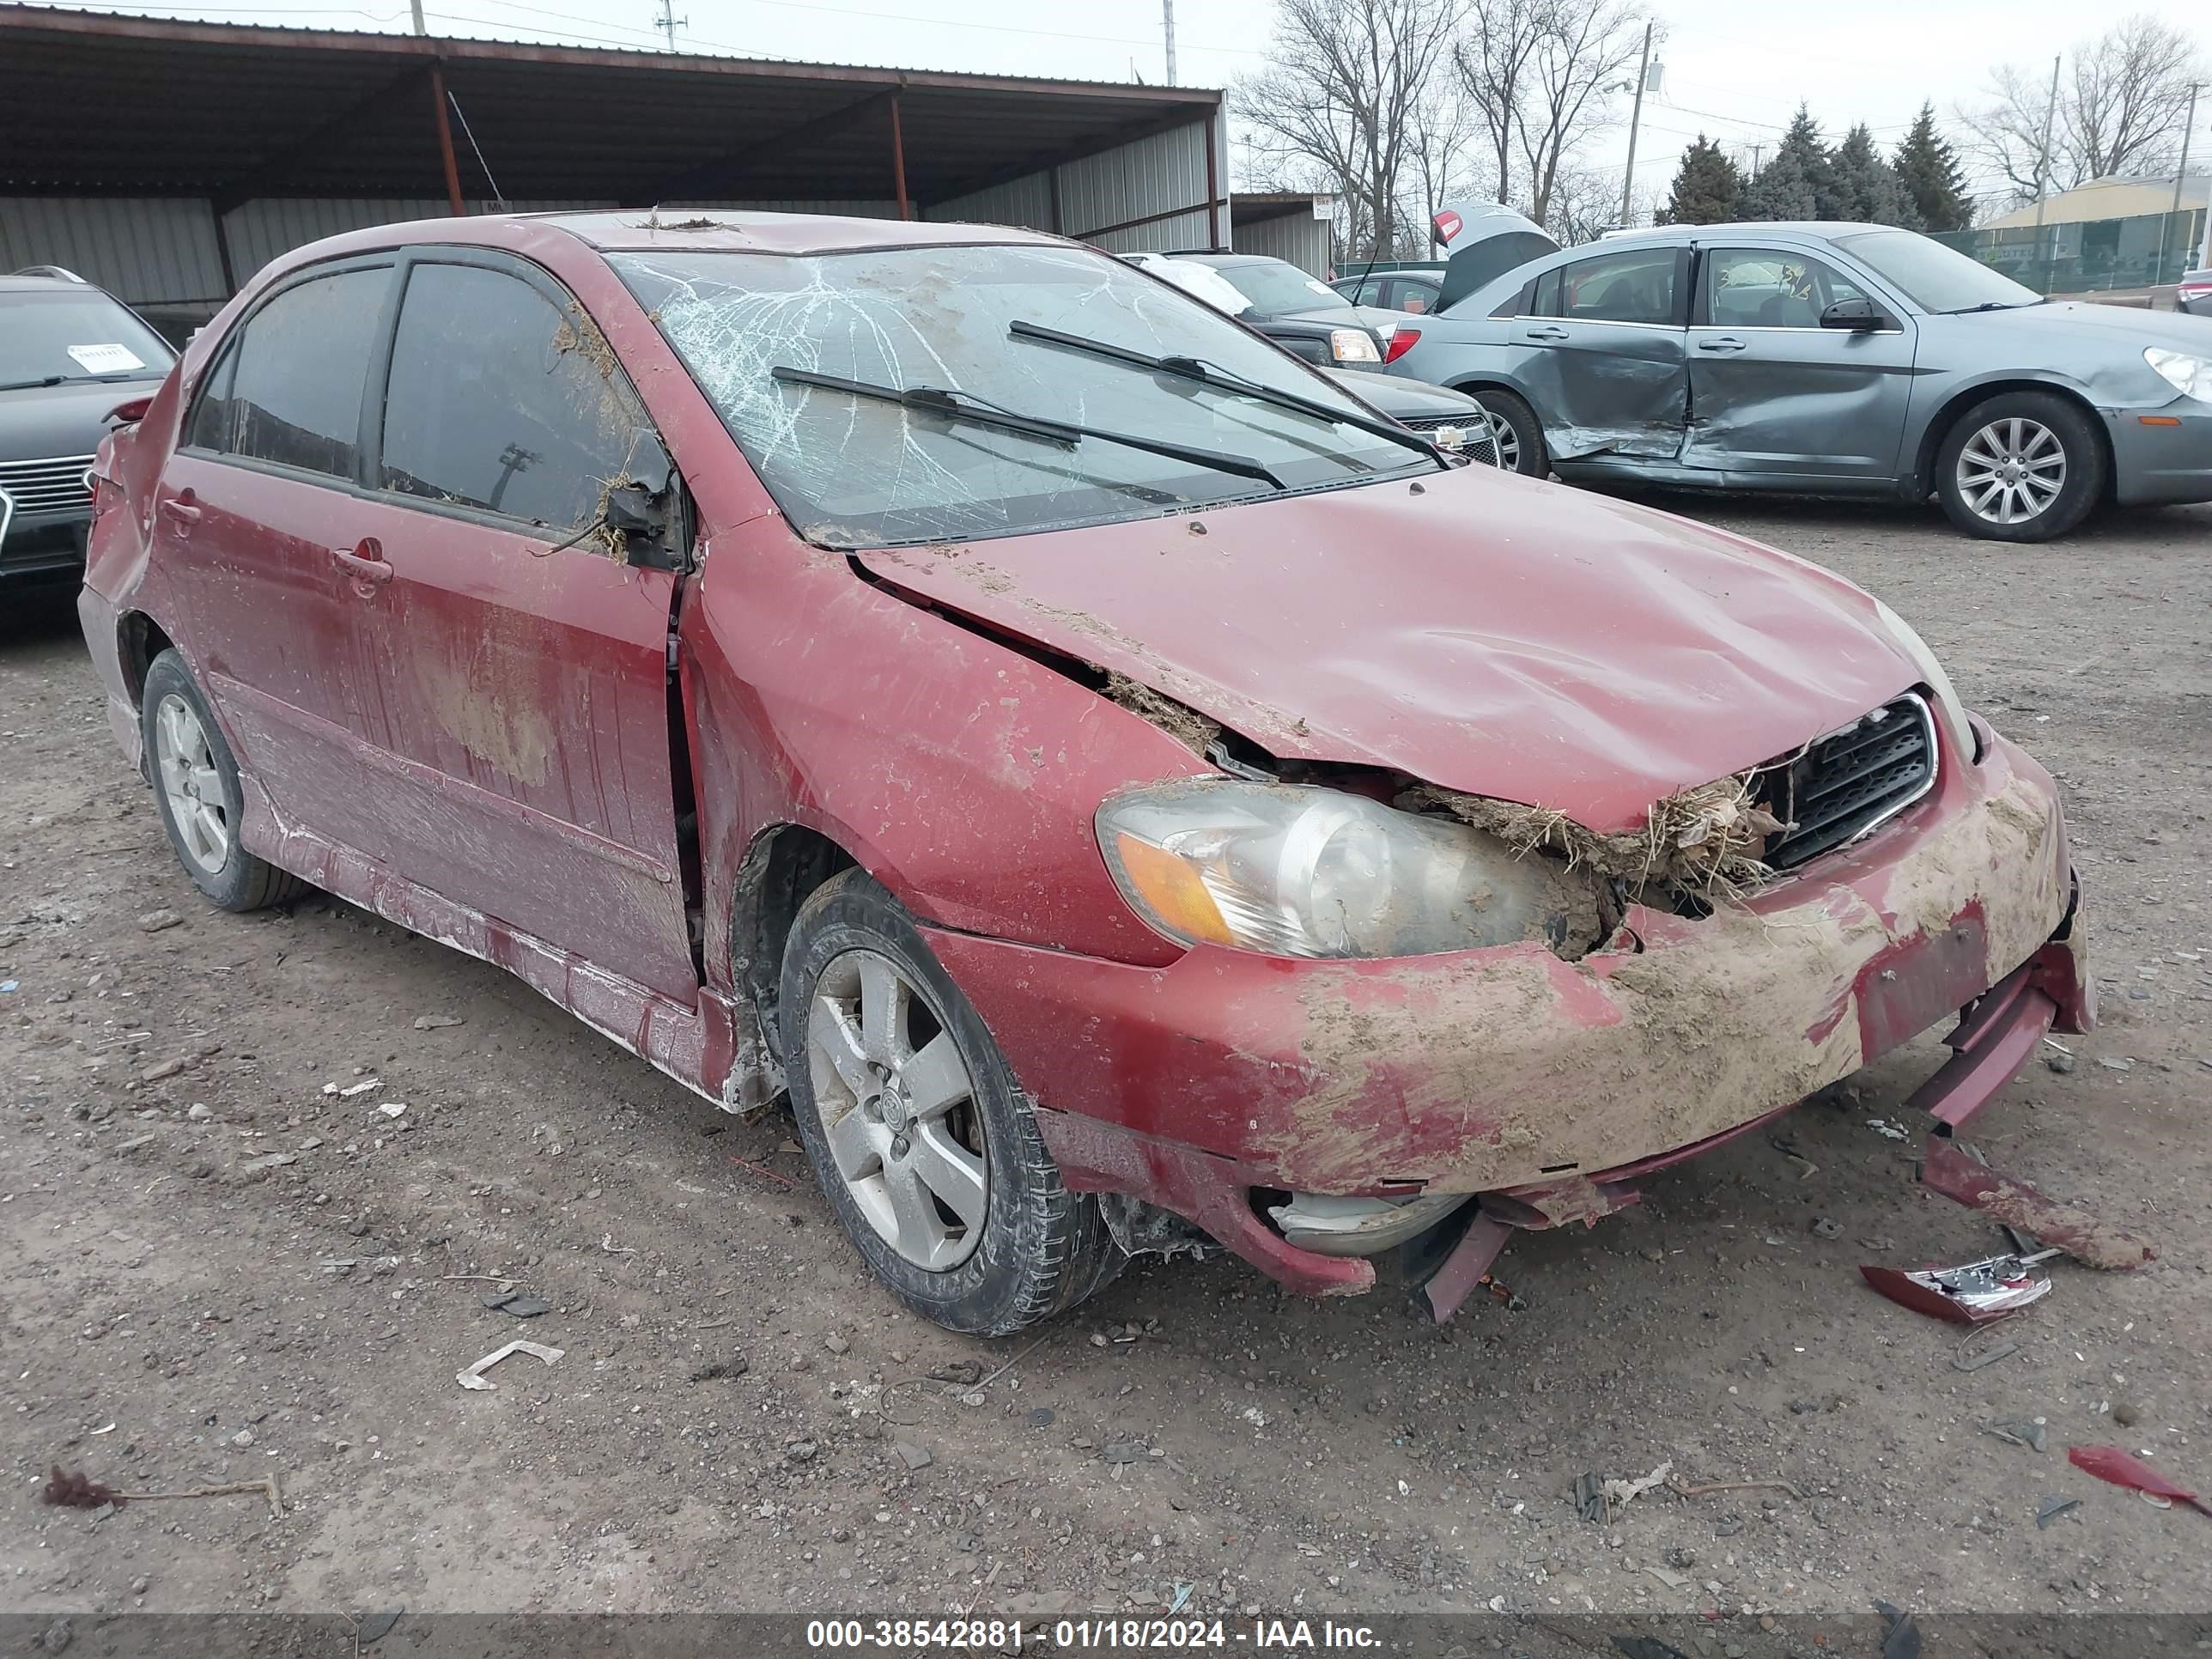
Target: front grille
1474	436
54	485
1849	781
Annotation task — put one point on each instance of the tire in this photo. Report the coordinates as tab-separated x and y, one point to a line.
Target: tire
1002	1244
196	791
2022	467
1515	428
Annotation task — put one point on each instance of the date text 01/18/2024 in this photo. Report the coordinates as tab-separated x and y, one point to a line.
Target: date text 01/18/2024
1008	1635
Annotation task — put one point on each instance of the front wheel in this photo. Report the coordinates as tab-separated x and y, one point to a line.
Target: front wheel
2022	467
921	1139
1515	429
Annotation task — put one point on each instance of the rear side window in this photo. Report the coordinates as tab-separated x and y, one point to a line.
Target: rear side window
1633	286
295	376
501	399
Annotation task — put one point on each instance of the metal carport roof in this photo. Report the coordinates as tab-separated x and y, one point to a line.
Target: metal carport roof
97	104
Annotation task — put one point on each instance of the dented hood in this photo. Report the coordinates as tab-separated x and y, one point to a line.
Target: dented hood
1489	635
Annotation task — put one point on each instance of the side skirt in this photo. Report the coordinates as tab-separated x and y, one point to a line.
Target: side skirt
714	1049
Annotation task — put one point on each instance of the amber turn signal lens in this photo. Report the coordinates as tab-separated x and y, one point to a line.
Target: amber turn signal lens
1171	889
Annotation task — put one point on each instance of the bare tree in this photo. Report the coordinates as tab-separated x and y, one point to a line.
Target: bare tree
2120	110
1444	130
1344	82
1540	75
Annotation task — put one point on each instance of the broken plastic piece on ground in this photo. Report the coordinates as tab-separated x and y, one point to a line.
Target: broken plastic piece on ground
474	1378
1467	1266
1900	1636
1624	1493
2052	1507
1948	1167
2122	1469
1973	1293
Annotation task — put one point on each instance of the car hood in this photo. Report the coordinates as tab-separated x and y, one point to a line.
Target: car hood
1327	317
37	423
2122	328
1490	635
1404	399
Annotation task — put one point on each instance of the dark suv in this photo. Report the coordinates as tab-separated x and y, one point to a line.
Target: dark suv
69	355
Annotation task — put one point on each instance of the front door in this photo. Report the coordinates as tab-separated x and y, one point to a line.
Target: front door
1772	393
525	687
1601	354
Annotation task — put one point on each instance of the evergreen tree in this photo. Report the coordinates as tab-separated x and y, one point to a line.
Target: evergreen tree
1864	188
1927	169
1798	182
1708	188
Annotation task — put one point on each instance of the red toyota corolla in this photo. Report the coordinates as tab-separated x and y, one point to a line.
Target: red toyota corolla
1129	794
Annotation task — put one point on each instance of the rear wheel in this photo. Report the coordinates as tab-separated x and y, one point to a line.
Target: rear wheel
921	1139
197	792
1515	429
2022	467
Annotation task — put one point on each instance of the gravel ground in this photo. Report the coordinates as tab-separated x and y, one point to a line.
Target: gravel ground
215	1269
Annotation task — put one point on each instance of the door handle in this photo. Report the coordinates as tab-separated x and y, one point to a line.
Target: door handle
1547	333
364	561
1720	343
180	508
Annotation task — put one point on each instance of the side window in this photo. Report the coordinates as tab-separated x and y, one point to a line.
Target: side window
499	400
1633	286
1410	297
1522	304
211	427
1767	287
296	390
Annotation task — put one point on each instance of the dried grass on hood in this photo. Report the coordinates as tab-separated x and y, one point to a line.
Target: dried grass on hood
1706	841
1184	724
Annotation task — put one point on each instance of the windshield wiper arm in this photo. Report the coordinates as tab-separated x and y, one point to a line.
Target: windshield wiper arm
981	411
28	386
1194	368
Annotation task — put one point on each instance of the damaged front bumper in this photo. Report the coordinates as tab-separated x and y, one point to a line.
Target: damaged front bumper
1220	1086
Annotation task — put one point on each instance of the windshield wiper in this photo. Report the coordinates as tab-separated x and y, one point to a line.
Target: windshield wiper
1194	368
1993	305
28	386
981	411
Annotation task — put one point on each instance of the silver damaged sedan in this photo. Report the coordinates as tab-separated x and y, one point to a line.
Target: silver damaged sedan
1825	359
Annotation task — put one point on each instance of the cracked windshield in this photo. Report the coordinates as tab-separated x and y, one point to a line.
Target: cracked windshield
1000	429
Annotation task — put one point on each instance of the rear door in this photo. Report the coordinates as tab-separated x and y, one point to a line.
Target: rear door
1772	393
524	686
265	483
1600	353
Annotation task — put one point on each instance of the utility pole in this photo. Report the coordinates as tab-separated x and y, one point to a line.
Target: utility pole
1635	117
2188	127
1167	23
668	23
2043	154
417	7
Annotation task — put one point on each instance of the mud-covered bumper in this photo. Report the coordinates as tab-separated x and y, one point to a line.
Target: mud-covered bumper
1490	1071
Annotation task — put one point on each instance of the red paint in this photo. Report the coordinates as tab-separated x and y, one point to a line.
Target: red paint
473	739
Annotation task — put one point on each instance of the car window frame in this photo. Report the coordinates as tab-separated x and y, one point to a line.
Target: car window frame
1548	283
375	397
222	370
1700	296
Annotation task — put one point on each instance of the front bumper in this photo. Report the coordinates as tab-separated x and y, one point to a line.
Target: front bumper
1504	1070
2153	462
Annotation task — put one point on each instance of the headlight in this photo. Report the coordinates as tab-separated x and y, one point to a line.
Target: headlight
1294	872
1949	709
1352	345
2190	376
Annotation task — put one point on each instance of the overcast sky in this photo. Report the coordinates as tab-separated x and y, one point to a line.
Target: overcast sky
1735	69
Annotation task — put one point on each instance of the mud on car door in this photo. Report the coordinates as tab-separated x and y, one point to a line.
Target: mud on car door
525	745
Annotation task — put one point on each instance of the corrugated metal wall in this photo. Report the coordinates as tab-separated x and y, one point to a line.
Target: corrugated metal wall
149	249
163	252
1307	242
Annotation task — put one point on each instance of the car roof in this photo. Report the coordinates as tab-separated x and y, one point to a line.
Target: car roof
1226	261
1819	230
728	230
46	285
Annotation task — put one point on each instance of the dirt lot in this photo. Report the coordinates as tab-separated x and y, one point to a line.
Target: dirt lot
215	1269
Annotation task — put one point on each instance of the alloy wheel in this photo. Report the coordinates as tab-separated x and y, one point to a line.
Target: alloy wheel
2011	470
899	1109
1506	437
185	763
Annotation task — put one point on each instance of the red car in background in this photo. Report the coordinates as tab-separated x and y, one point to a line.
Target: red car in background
1130	795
